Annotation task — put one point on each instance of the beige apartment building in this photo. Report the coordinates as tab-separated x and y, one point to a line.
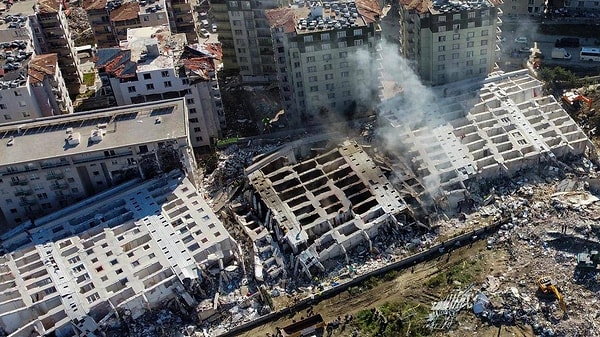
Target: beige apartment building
522	7
54	162
450	40
324	53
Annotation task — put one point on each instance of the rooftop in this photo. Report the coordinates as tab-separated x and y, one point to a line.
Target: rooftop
132	247
94	4
127	11
324	16
445	6
42	66
153	47
137	124
48	6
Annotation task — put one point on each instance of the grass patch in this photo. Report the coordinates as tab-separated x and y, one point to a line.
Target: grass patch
394	319
464	272
89	79
228	141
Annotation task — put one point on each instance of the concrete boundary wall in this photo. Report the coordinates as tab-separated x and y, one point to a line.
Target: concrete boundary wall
430	254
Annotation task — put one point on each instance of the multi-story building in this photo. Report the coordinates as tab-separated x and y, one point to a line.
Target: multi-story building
154	64
182	18
129	249
317	50
53	35
99	19
48	87
522	7
249	38
85	153
450	41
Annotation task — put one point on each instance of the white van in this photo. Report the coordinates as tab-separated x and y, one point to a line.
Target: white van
560	53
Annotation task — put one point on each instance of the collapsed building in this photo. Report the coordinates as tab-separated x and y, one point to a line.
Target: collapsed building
321	202
112	257
475	131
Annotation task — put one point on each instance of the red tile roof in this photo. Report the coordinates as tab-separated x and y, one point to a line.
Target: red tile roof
127	11
41	66
369	9
50	6
93	4
282	17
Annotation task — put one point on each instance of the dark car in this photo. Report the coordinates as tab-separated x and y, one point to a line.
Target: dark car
567	42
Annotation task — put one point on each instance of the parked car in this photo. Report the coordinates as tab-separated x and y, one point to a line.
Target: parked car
567	42
204	33
214	28
521	39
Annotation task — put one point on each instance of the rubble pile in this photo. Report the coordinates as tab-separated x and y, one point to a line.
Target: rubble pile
80	26
231	164
552	218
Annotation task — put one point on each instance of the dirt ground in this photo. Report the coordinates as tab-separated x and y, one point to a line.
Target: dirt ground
409	286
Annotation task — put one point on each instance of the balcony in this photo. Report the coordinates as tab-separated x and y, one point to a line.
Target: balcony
59	186
20	182
22	193
55	176
28	202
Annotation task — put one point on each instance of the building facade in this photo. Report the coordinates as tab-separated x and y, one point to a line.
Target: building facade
154	64
52	34
522	7
248	38
327	64
449	42
86	153
48	87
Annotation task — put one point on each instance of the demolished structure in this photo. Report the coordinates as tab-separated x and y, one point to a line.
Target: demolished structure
117	254
470	132
320	203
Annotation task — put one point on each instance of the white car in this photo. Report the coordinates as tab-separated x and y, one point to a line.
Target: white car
214	28
521	39
204	33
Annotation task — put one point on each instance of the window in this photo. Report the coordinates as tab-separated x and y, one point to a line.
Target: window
484	42
343	64
26	114
312	69
343	54
150	86
358	42
456	16
192	110
324	37
328	76
299	84
455	46
165	73
3	106
329	86
471	25
470	34
484	32
342	44
189	101
456	27
441	67
131	89
482	61
344	74
441	19
310	49
147	76
331	95
471	15
454	56
22	104
326	46
357	32
470	53
341	33
483	52
455	36
185	81
312	78
441	38
193	120
308	38
441	29
18	93
469	63
470	44
441	57
441	48
314	88
197	129
310	59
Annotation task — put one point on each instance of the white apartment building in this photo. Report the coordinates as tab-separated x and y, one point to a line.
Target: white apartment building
153	64
53	162
129	249
450	40
325	56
